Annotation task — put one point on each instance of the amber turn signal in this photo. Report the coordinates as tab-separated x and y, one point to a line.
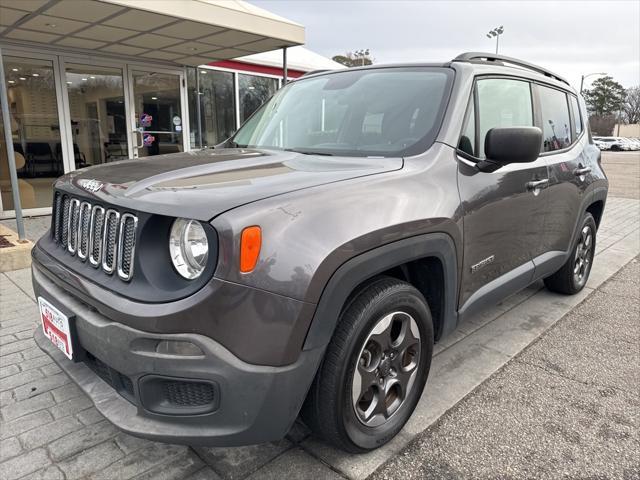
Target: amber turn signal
250	243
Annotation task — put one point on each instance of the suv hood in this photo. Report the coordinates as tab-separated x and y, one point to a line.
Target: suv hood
205	183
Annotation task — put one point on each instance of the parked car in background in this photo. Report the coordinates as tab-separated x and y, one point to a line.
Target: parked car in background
633	143
602	145
616	144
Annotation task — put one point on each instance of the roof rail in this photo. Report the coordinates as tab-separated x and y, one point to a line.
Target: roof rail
490	57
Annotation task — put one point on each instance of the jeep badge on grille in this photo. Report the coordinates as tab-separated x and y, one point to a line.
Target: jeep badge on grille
91	185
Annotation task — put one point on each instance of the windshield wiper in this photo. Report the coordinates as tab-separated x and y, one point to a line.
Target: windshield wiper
307	152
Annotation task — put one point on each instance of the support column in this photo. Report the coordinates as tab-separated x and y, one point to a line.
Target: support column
13	174
285	72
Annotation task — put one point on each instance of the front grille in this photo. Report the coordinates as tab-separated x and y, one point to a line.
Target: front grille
188	394
93	232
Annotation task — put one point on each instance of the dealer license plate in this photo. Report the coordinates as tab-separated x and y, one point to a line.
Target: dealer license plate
56	327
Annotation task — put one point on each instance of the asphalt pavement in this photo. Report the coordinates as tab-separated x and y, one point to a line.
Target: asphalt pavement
568	406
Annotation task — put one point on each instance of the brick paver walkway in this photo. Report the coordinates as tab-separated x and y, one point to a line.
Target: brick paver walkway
49	428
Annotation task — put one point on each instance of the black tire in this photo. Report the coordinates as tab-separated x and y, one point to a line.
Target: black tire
330	410
566	280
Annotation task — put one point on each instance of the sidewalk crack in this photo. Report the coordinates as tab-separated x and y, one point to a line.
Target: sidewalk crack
571	379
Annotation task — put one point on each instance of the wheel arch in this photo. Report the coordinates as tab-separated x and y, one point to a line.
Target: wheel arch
405	259
596	209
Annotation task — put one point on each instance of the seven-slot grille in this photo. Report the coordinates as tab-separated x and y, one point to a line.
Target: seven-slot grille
102	235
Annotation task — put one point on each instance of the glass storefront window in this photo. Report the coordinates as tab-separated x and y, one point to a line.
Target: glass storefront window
35	130
253	92
217	108
98	120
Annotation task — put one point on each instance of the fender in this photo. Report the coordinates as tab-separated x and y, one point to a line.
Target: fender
366	265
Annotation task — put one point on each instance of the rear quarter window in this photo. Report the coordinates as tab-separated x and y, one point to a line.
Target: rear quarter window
556	122
577	117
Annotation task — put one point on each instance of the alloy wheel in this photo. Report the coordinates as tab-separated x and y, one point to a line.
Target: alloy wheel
386	368
584	254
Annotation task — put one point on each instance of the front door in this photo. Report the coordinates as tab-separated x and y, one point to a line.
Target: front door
504	211
158	113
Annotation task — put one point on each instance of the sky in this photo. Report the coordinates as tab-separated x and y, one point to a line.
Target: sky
572	38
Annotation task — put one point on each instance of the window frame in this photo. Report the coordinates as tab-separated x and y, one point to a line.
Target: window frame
573	114
536	105
537	88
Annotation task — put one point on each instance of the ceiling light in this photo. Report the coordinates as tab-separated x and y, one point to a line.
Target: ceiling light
154	98
14	69
12	81
69	83
35	74
85	79
204	72
92	77
22	78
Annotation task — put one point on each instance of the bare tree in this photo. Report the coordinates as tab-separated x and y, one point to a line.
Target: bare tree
358	58
631	105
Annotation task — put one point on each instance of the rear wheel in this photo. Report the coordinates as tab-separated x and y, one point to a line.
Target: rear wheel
375	368
573	275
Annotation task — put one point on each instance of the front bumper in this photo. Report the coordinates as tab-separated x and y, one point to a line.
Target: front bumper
253	403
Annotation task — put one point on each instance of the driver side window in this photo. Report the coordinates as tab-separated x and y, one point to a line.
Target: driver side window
501	102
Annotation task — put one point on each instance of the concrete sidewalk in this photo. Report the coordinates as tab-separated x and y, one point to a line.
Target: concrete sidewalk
50	429
567	406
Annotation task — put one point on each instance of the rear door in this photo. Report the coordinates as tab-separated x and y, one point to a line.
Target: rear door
504	211
563	148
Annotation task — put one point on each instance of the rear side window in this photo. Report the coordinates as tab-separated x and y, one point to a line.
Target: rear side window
554	109
577	118
502	102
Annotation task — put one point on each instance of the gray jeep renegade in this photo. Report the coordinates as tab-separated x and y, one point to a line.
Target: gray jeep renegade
309	263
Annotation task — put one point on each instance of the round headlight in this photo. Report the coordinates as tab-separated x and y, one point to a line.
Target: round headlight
188	247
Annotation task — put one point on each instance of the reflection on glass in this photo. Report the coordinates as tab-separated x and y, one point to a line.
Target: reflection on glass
556	132
98	121
217	106
253	92
156	99
503	103
577	118
35	131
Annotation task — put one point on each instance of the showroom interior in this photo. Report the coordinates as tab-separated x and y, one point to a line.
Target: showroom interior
125	79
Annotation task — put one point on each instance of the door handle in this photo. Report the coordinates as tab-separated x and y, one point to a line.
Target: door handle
139	139
578	172
537	184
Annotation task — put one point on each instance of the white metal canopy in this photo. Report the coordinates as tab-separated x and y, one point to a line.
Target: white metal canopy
182	32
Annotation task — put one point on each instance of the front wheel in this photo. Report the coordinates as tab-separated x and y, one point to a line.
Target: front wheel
375	368
573	275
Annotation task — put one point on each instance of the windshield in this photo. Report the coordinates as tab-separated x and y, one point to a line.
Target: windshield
374	112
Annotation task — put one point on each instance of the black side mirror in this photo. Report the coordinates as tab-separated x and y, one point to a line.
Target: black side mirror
510	145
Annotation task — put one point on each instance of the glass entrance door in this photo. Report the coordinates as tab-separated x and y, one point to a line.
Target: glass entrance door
97	114
158	112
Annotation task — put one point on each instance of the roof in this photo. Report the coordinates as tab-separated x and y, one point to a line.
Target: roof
298	58
183	32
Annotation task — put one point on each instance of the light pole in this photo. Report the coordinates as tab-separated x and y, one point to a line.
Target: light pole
586	76
496	32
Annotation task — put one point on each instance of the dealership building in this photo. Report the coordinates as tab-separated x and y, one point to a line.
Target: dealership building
96	81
